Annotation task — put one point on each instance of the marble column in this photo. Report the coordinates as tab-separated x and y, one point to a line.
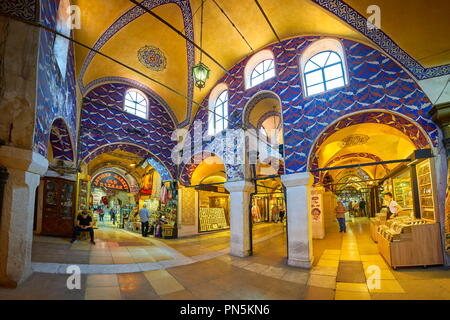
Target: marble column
300	253
16	228
240	217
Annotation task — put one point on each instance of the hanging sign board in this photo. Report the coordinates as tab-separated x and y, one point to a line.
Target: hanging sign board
111	180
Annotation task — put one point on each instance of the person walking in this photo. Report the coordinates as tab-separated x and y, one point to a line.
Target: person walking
112	215
350	207
144	215
340	216
282	213
101	213
362	207
275	213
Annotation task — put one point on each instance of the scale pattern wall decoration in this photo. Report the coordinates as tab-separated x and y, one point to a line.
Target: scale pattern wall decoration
104	123
152	58
359	22
375	82
60	141
56	96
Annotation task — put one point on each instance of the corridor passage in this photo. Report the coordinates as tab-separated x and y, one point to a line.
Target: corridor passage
201	268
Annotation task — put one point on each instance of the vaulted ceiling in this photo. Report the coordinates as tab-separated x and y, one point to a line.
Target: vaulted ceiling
119	29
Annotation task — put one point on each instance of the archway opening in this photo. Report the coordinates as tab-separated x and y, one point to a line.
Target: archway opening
356	165
115	185
263	116
213	210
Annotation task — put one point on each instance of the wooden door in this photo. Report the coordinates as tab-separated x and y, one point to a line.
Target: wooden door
58	207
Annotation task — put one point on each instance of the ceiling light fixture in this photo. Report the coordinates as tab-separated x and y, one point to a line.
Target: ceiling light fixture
201	71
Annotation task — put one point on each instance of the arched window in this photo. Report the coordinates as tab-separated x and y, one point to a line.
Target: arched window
220	113
324	72
263	71
136	103
259	68
323	66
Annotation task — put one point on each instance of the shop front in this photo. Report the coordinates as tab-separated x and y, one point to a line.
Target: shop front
413	237
213	209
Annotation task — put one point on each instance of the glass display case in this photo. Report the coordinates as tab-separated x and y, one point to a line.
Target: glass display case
83	195
426	198
403	193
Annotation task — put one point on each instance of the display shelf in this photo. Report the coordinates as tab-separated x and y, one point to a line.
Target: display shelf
426	198
411	245
212	219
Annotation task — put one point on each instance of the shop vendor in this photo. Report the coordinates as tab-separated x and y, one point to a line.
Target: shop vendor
393	207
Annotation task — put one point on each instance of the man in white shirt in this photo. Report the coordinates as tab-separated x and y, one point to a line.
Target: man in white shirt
393	207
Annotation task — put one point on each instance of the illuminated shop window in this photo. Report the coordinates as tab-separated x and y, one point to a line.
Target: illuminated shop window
136	103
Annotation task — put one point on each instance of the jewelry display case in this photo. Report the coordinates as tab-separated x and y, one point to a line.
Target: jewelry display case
212	219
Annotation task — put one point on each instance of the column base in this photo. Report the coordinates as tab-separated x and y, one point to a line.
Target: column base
304	264
240	253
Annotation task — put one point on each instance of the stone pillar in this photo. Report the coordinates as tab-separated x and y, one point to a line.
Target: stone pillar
299	229
187	212
16	234
240	217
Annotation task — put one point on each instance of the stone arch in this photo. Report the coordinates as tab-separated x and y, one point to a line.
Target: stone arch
189	168
405	125
60	141
363	155
253	101
163	171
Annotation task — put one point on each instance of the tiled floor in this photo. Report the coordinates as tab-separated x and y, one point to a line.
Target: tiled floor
343	270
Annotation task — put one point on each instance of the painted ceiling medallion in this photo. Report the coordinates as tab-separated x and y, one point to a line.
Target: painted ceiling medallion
354	139
153	58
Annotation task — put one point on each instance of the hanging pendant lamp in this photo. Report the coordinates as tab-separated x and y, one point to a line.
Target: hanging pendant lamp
200	71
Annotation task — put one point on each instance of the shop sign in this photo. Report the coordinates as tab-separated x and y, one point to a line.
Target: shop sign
111	180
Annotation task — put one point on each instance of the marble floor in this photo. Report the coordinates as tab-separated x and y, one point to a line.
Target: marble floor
201	268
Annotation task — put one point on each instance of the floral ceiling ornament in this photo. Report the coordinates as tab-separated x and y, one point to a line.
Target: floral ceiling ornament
355	139
153	58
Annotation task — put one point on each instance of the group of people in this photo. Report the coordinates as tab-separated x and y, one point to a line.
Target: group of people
84	222
112	214
357	208
278	213
392	207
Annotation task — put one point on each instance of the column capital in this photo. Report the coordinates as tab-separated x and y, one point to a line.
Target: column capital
240	186
23	160
440	113
297	179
